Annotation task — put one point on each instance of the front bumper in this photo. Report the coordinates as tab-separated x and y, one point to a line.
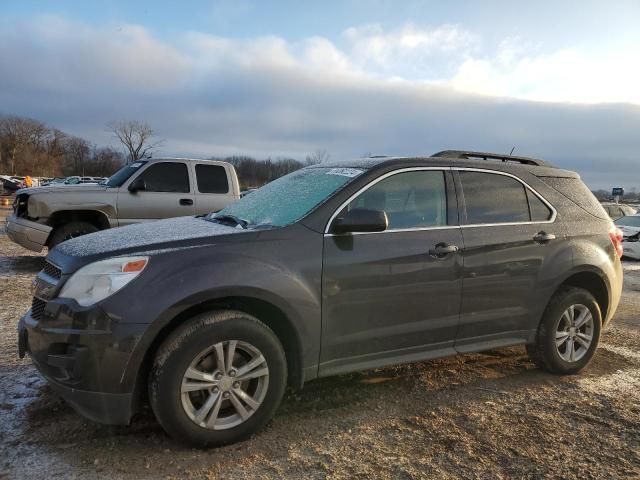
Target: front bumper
86	365
31	235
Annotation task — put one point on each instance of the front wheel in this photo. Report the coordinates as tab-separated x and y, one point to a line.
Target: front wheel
70	230
569	332
218	378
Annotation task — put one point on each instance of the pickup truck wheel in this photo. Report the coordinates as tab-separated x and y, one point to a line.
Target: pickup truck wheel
70	230
569	332
217	379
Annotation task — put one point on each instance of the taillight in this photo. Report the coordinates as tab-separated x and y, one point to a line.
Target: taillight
615	234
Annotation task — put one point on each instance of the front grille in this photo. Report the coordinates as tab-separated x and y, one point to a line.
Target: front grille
52	271
37	308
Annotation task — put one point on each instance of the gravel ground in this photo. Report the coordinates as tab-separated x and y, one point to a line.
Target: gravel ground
491	415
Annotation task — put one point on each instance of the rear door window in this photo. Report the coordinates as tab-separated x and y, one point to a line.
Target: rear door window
212	179
493	198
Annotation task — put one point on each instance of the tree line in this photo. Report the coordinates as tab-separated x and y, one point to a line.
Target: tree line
631	195
255	173
29	147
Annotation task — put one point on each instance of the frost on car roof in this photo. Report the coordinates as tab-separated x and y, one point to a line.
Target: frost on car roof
142	235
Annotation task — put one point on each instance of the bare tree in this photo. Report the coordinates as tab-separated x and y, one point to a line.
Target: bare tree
319	156
77	153
137	138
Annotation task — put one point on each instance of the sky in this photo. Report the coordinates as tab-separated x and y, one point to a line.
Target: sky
558	80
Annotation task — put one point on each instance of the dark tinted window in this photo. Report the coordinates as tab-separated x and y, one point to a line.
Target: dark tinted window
539	211
492	198
212	179
166	177
411	200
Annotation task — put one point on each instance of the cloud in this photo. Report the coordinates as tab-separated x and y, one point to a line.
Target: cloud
208	95
565	75
409	51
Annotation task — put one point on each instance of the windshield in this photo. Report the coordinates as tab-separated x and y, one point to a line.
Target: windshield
629	221
288	198
122	175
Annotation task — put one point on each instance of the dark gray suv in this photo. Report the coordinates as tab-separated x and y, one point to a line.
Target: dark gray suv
331	269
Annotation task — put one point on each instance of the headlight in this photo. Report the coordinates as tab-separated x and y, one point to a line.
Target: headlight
97	281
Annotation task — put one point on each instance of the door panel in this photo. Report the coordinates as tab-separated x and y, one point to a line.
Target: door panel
168	193
385	297
501	268
502	260
214	187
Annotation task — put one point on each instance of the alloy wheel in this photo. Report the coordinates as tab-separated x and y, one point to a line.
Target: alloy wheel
574	333
224	385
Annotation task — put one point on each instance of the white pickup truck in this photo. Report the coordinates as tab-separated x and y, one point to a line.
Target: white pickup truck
139	192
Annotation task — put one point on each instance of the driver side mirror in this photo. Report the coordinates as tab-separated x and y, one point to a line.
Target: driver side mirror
361	220
137	185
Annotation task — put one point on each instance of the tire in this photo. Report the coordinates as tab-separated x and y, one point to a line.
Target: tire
188	416
70	230
560	347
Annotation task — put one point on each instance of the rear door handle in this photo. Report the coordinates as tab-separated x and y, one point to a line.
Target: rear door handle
442	249
544	237
186	201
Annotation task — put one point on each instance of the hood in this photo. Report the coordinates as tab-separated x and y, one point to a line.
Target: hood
150	236
65	188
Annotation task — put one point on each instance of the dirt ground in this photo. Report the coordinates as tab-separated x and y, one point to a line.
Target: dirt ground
491	415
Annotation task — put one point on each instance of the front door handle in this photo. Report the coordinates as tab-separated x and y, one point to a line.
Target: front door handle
544	237
186	201
442	249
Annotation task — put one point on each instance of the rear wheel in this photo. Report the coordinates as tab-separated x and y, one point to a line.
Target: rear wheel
569	332
218	378
70	230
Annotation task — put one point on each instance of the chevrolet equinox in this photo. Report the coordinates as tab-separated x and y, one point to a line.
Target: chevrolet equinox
331	269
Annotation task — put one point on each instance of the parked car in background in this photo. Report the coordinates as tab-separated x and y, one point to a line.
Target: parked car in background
54	181
616	210
139	192
631	246
75	180
10	185
331	269
629	224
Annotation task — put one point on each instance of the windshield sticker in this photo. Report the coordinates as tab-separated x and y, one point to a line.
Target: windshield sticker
136	165
345	172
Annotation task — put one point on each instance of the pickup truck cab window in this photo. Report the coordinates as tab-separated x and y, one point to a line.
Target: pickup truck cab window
165	177
212	179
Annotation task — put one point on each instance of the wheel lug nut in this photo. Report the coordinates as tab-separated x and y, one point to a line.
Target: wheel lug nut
232	373
225	395
236	384
218	376
216	389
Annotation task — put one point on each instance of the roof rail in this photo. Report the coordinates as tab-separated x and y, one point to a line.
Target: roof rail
463	154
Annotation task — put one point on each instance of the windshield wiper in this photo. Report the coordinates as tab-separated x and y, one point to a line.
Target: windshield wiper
226	218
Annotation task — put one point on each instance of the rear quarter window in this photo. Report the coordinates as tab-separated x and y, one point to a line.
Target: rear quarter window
576	191
212	179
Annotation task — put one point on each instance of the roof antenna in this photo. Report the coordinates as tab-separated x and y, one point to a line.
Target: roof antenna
511	152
